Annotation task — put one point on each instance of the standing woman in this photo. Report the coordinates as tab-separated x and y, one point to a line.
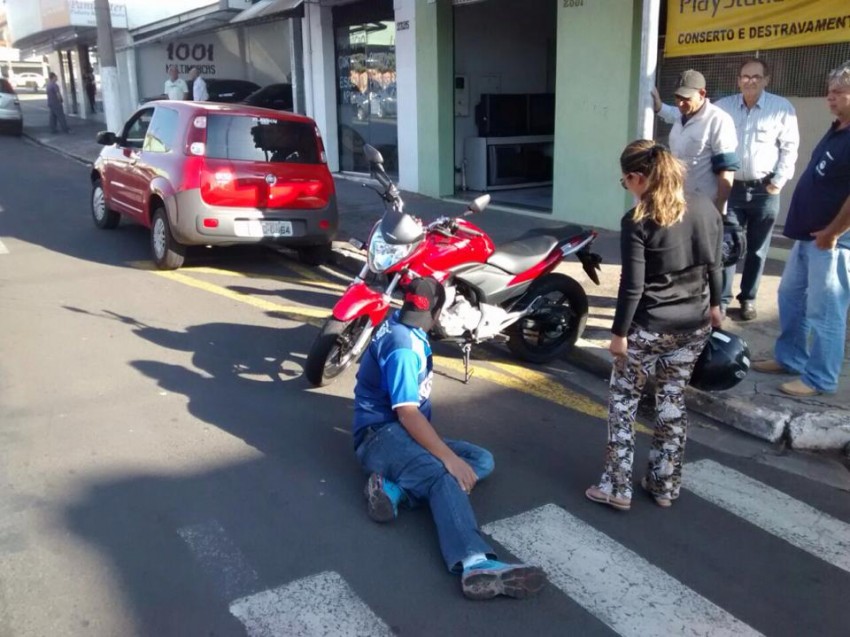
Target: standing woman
669	299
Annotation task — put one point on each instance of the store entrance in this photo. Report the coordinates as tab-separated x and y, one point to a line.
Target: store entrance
366	81
505	57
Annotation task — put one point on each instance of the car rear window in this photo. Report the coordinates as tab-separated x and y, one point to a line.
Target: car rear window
5	86
246	138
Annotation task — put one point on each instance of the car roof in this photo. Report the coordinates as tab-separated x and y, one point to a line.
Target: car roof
229	109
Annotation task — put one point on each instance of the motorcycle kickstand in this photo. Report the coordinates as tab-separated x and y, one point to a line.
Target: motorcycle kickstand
466	348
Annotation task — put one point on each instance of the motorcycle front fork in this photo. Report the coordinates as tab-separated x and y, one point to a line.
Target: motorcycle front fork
363	340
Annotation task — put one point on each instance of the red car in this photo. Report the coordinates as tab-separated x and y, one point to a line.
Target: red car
217	175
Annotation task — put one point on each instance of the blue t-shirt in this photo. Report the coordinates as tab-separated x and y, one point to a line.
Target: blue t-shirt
396	370
823	188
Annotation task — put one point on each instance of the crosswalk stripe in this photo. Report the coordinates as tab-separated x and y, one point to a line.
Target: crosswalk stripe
220	559
322	605
795	522
619	587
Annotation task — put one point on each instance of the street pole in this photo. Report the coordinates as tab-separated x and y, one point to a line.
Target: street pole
648	67
108	67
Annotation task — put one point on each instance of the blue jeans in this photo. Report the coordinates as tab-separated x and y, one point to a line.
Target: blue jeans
758	216
814	296
392	452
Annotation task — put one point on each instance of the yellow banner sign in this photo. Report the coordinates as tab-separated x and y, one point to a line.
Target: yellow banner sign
700	27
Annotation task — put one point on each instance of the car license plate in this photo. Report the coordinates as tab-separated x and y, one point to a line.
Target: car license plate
276	228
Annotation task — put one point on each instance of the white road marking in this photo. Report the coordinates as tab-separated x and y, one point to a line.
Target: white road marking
795	522
3	248
220	558
618	586
322	605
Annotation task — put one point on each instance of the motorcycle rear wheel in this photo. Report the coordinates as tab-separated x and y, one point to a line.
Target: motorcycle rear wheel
332	353
556	325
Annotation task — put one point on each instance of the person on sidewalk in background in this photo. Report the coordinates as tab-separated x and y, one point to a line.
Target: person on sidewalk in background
667	303
703	138
54	105
199	86
175	87
814	292
90	87
768	139
409	462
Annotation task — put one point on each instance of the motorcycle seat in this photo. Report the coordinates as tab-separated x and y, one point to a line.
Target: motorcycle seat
522	254
561	233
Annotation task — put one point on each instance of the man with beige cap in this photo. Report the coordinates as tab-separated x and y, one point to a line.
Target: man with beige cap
703	137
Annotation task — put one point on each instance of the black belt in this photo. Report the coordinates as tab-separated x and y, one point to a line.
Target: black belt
752	183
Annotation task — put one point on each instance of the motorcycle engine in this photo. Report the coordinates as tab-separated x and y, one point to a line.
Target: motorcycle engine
459	316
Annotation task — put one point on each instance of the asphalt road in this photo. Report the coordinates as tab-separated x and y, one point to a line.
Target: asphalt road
166	470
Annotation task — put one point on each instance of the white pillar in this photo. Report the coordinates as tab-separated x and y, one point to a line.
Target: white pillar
408	131
320	77
648	67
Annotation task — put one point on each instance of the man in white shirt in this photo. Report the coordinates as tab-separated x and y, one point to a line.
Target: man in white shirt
703	138
768	139
175	87
199	86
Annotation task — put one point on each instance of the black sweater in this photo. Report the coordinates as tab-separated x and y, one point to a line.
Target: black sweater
670	274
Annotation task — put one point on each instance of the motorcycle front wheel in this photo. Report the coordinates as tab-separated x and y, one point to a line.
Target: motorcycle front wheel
555	325
333	350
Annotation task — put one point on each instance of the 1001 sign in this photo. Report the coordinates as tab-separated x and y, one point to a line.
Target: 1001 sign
182	51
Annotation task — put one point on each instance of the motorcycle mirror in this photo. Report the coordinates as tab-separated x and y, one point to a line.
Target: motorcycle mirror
479	204
373	156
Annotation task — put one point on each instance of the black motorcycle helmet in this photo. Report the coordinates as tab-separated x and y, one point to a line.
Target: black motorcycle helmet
734	244
723	363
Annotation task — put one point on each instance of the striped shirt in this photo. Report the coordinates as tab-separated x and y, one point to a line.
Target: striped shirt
768	137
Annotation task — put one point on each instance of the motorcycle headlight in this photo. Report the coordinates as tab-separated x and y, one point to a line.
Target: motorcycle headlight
383	255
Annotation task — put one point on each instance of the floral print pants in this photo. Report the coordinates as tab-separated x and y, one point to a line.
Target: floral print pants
672	358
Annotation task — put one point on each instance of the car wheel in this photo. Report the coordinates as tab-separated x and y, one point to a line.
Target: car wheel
104	218
167	253
315	255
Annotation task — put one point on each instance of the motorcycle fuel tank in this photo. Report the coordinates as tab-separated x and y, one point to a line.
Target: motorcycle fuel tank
442	253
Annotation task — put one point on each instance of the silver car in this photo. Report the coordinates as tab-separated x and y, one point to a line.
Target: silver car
11	117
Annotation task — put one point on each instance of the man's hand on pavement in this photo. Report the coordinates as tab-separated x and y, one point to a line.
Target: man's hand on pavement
462	472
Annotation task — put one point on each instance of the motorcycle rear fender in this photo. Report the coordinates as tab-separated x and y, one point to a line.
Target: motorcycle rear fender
361	300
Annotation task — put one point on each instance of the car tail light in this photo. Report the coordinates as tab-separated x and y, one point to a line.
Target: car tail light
196	139
210	223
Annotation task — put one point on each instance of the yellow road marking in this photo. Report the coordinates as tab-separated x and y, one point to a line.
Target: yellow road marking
309	314
320	283
511	376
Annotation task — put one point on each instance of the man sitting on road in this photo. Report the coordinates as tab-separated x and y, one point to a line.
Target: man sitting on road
408	461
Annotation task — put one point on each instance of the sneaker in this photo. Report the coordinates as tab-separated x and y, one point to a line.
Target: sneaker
748	311
382	498
489	578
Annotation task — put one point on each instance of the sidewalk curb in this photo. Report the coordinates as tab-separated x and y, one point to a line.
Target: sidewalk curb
56	149
757	421
820	431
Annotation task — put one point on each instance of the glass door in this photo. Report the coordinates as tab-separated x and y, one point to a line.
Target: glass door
366	70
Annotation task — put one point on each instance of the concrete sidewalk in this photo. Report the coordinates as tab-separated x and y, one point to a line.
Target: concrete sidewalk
755	406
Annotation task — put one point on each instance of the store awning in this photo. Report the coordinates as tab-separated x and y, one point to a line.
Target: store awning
56	39
270	9
183	25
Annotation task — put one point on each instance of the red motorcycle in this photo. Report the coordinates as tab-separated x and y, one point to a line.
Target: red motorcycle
508	293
